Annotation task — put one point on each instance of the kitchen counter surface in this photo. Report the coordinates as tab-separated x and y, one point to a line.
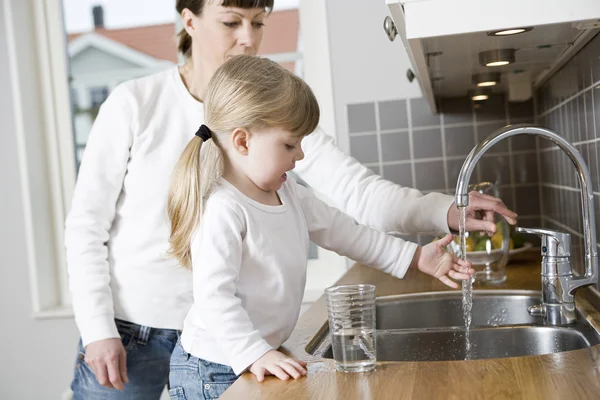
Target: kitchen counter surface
572	375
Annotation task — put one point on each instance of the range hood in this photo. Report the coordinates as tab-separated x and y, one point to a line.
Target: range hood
447	41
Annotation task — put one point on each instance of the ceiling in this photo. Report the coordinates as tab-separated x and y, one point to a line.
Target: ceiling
451	71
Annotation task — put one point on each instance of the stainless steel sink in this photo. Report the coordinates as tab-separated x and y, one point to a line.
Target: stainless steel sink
430	327
444	309
498	342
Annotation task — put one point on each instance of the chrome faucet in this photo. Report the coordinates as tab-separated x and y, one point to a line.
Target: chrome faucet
558	283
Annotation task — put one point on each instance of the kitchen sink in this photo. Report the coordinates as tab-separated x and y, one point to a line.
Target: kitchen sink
495	342
430	327
444	309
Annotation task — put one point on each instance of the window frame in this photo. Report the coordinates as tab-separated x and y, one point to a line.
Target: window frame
42	108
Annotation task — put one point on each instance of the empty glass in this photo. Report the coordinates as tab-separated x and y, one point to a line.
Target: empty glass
351	312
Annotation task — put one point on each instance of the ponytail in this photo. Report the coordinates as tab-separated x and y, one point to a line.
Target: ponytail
191	182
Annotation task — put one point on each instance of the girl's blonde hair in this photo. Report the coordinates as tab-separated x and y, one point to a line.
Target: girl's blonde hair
245	92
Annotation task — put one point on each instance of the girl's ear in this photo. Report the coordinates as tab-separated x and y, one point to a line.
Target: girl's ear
240	139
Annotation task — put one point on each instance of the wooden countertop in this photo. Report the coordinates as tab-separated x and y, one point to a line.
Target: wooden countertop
570	375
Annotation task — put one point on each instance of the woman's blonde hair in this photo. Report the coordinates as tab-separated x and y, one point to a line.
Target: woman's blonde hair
245	92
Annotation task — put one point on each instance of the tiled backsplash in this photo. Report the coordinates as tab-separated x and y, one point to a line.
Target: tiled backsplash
569	104
402	141
407	144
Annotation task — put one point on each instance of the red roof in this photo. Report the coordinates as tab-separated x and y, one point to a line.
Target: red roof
160	41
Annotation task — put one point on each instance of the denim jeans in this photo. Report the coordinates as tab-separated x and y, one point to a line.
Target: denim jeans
148	353
192	378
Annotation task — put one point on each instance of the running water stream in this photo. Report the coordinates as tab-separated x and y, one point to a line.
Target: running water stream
467	285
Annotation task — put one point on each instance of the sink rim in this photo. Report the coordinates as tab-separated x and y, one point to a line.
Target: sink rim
320	341
458	294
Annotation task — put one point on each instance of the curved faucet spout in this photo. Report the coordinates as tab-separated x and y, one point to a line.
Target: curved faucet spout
587	197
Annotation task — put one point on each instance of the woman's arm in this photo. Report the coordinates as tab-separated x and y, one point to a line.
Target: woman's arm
98	187
368	198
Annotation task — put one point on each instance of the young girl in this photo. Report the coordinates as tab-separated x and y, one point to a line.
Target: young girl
244	228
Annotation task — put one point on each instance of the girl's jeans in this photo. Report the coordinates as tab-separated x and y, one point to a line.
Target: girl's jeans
192	378
148	355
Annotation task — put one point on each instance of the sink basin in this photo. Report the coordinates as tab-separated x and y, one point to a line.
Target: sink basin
444	309
430	327
495	342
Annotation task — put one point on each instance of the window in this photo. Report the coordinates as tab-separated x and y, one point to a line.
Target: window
97	96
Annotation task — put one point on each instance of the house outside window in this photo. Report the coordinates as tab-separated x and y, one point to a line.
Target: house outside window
97	96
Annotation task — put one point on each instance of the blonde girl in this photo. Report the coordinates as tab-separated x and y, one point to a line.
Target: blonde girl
243	226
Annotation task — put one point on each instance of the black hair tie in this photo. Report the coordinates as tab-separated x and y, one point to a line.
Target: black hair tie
204	133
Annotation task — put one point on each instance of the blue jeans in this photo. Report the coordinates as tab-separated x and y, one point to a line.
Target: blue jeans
148	353
192	378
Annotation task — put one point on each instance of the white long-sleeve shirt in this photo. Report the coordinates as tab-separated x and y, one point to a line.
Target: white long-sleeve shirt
117	229
249	261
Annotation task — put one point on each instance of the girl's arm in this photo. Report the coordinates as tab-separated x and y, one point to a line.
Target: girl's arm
336	231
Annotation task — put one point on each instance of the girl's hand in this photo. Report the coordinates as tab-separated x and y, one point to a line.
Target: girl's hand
434	260
278	364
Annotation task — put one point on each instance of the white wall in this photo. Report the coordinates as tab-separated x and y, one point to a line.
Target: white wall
365	65
37	355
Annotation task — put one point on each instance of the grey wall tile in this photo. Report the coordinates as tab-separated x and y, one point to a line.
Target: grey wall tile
596	174
484	130
425	239
520	110
430	175
399	173
361	117
395	146
454	167
523	143
421	113
528	200
495	169
590	108
578	117
375	170
409	238
494	108
597	213
525	168
460	140
427	143
456	110
393	115
364	148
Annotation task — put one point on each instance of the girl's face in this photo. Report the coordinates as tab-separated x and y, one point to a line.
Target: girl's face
271	153
223	32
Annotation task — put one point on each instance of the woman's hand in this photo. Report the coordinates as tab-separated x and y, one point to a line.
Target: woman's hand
107	359
275	363
481	204
434	260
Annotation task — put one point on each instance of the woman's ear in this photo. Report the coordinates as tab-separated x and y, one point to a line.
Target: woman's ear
188	20
240	139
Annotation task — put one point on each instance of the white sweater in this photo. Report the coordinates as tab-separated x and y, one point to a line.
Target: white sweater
249	261
117	229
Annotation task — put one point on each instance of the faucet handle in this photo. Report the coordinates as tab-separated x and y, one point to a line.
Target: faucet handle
554	243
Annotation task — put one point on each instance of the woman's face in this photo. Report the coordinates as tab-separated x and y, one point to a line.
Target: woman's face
223	32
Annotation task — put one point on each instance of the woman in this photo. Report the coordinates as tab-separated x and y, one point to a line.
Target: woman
129	297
